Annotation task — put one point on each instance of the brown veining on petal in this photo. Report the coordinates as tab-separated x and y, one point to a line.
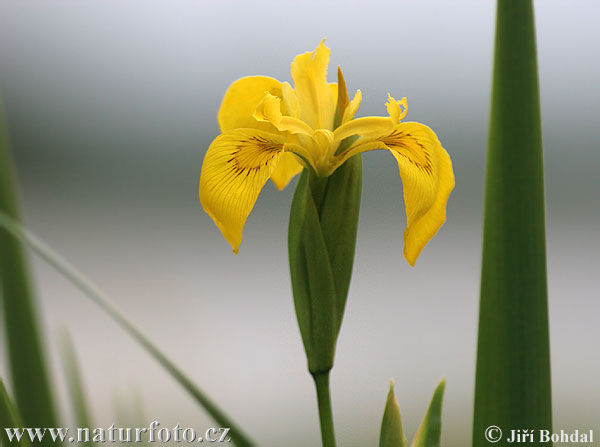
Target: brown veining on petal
406	145
254	153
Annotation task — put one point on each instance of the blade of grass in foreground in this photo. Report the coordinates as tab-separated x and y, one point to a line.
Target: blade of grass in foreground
513	361
74	382
9	418
102	301
27	357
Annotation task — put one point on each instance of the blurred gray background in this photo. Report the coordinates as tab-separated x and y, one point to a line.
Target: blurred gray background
111	106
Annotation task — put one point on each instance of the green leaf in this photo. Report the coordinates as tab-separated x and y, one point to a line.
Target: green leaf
430	430
339	223
513	386
74	382
391	434
101	300
26	353
9	418
312	280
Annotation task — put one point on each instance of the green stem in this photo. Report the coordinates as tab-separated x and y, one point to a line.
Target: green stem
102	301
325	411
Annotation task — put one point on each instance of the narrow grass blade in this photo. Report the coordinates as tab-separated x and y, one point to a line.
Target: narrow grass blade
102	301
513	360
74	381
9	418
128	406
429	433
27	357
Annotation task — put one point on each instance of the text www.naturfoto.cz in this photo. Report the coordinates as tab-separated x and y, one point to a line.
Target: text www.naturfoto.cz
119	434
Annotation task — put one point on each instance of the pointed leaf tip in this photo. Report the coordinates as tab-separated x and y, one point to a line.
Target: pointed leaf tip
391	426
430	431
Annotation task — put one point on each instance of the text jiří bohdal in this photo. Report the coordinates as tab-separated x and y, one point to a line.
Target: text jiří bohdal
562	436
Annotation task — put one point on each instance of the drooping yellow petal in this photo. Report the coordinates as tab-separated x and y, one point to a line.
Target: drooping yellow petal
236	166
241	99
315	95
427	178
285	170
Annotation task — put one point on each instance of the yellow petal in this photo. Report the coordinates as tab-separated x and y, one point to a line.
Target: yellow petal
241	99
315	96
334	92
290	100
236	166
269	111
396	109
285	170
352	107
370	125
427	178
365	126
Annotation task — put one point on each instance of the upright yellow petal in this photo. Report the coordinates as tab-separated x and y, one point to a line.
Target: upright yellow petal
334	93
269	111
396	109
352	107
427	178
241	99
236	166
290	100
315	96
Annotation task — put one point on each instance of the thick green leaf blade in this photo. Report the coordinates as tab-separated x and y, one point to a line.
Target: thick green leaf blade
9	418
429	433
391	434
27	357
513	387
312	279
74	381
102	301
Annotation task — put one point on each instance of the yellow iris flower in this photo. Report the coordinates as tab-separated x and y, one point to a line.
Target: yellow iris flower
271	130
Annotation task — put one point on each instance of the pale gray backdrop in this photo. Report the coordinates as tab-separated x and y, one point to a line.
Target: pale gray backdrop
111	106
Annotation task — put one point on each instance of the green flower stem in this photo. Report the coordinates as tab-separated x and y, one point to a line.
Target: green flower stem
325	411
513	388
102	301
26	354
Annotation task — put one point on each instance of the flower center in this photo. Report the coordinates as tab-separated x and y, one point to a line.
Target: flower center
323	148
